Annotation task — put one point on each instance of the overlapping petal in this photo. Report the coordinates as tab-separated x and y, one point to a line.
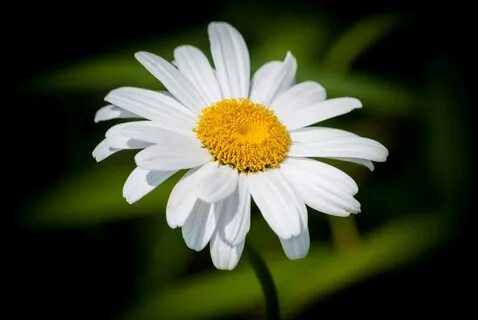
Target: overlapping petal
212	201
231	59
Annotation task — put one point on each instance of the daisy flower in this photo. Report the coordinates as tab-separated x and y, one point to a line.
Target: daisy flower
238	137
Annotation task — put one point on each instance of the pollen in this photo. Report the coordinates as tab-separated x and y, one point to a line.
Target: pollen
243	134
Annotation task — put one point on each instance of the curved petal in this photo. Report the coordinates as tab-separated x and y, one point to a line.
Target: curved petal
224	255
318	143
290	105
216	182
299	95
182	199
321	111
279	204
164	110
192	63
110	112
116	139
173	80
103	151
297	247
151	132
199	226
142	181
231	59
321	186
236	213
179	152
271	79
313	134
363	162
261	78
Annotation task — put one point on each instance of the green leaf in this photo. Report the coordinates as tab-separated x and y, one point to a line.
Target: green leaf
327	271
357	40
95	196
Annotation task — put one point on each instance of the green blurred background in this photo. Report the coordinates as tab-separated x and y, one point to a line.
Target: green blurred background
80	251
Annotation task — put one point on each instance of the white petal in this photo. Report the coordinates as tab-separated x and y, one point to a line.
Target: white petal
180	152
216	182
116	139
321	111
236	213
182	199
224	255
110	112
366	163
297	247
299	95
313	134
291	105
333	175
321	186
272	80
194	65
141	181
262	76
151	132
200	225
279	204
319	144
161	108
173	80
103	151
231	59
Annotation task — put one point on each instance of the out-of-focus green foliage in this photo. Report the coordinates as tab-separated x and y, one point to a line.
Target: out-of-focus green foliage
323	272
378	95
357	40
75	202
302	37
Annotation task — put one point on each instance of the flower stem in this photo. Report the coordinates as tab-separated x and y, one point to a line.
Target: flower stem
266	281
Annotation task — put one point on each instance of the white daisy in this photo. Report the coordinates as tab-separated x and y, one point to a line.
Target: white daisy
238	137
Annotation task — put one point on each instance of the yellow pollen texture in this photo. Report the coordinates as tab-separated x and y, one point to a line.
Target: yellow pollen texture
243	134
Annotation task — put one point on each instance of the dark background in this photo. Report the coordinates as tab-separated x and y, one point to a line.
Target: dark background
90	272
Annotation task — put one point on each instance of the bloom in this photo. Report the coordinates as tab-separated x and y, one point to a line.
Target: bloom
238	137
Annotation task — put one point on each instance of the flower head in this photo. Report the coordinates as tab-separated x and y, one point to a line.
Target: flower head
238	137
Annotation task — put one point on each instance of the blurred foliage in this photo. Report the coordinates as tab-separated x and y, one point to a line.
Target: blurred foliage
87	206
163	289
357	40
325	271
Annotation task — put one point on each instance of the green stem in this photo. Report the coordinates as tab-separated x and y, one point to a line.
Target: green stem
267	283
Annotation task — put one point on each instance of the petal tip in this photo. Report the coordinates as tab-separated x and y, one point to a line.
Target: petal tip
143	56
140	54
214	24
224	267
297	257
357	104
129	198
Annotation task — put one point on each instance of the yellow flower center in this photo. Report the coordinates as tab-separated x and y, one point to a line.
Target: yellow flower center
243	134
